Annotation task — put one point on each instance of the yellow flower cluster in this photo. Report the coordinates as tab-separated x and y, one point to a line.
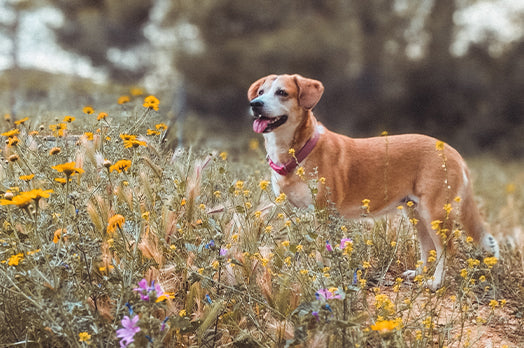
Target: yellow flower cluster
151	102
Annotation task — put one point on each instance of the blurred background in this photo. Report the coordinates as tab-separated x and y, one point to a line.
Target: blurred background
453	69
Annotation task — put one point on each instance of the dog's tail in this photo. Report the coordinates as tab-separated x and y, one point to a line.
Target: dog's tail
474	226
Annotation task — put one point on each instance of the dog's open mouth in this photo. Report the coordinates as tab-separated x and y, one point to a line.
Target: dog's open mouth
263	124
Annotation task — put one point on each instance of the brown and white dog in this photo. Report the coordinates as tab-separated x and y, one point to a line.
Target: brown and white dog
385	171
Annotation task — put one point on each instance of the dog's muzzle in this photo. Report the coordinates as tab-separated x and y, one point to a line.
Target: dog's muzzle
263	123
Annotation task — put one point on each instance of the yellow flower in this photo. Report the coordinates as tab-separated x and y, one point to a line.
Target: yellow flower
263	184
62	181
123	99
22	121
89	135
435	224
384	133
482	278
382	301
161	126
11	133
322	180
32	252
58	129
27	177
101	116
304	271
254	144
490	261
182	313
223	155
292	152
464	273
13	141
88	110
386	325
36	194
365	204
165	296
285	243
127	137
68	169
134	143
84	337
153	132
281	198
21	201
15	259
114	222
136	91
493	304
439	145
69	119
469	240
54	151
151	102
300	247
472	263
239	185
58	235
447	208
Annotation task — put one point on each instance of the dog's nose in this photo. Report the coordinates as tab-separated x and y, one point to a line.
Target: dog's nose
256	103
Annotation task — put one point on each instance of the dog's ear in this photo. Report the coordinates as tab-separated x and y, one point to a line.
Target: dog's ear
253	90
309	91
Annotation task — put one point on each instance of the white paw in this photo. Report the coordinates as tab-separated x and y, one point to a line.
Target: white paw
409	274
490	245
433	285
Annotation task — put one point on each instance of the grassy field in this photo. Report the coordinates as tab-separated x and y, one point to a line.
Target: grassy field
108	237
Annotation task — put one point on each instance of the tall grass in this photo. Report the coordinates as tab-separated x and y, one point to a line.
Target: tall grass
192	248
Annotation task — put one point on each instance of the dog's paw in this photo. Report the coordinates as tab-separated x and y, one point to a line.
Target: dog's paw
433	284
409	274
489	243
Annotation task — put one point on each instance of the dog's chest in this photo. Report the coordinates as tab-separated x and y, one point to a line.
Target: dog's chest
296	190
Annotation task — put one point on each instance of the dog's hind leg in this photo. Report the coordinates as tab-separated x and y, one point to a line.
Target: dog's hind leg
429	240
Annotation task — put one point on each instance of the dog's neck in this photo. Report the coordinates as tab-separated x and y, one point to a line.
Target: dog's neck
280	141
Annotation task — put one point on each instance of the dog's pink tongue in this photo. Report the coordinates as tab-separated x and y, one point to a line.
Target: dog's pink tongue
260	124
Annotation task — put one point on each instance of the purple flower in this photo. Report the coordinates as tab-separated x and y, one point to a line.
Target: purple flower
325	294
315	314
128	331
143	290
328	246
223	251
343	242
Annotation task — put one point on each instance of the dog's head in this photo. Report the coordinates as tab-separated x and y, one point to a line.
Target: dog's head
282	101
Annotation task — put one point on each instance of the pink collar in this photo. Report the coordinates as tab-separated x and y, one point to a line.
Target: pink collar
290	165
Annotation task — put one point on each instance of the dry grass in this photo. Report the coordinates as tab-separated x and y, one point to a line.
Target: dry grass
236	265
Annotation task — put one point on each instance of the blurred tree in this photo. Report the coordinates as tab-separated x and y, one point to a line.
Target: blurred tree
93	27
385	64
11	28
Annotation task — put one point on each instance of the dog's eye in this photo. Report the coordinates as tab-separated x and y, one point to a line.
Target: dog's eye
261	92
281	93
